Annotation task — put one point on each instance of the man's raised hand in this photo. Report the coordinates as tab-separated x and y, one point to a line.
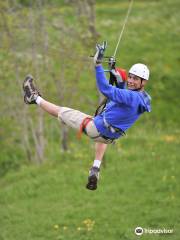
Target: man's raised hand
100	49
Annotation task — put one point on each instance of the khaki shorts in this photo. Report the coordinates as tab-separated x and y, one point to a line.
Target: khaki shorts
73	118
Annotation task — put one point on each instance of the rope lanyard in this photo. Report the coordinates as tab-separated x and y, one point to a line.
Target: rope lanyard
122	30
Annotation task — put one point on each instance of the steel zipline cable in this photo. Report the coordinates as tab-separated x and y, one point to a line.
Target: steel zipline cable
123	27
120	35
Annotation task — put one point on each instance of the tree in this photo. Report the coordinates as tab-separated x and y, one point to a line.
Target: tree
40	39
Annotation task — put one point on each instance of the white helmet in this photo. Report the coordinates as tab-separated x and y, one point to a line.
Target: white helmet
140	70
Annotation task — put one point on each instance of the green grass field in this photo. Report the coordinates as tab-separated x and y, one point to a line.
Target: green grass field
139	183
138	187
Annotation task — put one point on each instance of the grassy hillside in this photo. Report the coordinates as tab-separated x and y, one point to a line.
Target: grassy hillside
138	187
139	180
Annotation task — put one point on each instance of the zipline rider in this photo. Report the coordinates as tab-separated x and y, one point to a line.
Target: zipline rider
123	108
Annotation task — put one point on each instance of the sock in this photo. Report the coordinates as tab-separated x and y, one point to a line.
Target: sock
38	100
97	163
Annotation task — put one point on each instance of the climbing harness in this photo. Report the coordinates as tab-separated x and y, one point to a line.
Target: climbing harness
83	126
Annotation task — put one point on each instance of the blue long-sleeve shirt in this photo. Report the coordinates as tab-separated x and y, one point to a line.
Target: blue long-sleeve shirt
124	106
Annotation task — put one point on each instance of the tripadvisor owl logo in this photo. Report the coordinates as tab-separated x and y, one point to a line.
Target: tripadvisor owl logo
139	231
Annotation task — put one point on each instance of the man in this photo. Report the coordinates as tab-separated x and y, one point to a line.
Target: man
123	108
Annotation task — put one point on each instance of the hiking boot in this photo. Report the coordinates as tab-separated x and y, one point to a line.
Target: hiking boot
30	91
93	178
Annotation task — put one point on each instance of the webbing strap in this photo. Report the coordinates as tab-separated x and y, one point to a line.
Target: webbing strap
83	126
108	126
111	128
102	105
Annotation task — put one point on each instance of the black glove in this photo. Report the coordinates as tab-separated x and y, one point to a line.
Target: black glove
100	49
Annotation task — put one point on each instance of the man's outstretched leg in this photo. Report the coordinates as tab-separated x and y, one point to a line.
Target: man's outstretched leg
100	149
72	118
